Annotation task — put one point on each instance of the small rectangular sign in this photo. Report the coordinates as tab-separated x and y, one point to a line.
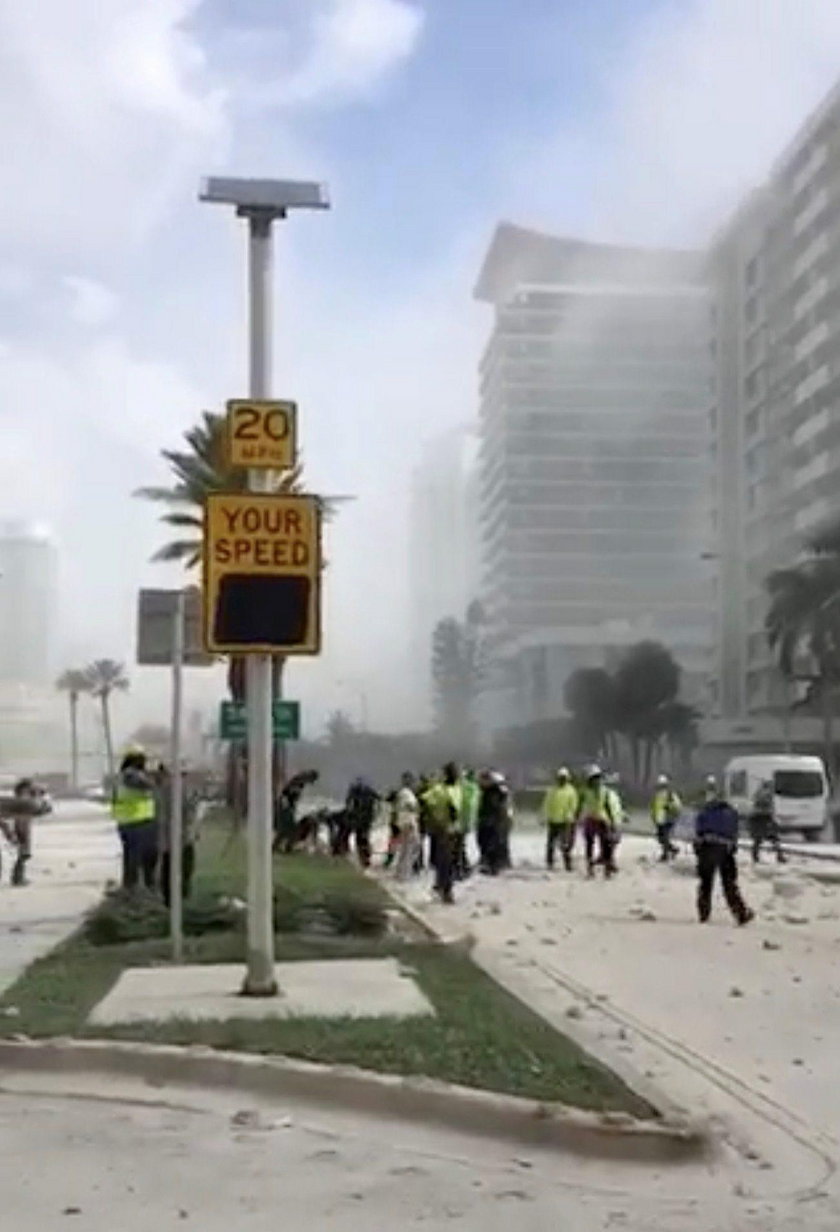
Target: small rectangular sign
156	624
233	721
262	435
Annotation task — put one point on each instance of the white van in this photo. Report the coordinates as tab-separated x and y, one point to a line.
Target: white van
800	786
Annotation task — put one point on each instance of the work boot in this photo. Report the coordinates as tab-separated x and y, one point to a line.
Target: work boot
747	916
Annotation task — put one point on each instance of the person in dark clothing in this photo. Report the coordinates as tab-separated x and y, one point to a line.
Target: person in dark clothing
189	820
338	826
424	783
23	805
763	825
360	806
445	804
491	832
285	810
716	844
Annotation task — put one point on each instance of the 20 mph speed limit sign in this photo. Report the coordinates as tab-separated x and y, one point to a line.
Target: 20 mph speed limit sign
262	435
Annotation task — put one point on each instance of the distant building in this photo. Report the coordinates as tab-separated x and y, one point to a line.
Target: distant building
444	566
28	604
775	276
593	462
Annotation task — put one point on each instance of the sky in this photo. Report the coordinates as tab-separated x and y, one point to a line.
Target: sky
122	299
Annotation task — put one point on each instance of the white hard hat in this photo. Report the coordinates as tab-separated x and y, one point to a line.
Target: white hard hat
563	772
662	780
594	771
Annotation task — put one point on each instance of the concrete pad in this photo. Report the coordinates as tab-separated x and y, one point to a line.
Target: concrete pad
356	988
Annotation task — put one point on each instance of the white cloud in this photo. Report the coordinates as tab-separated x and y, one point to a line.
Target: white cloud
92	303
354	44
701	99
105	113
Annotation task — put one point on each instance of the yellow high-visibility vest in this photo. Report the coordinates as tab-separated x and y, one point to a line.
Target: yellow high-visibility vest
560	804
132	806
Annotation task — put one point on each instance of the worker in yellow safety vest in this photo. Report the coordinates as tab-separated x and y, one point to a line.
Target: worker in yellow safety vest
445	803
665	810
559	813
600	815
133	809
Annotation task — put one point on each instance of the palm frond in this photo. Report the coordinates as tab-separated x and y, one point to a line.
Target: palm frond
193	520
187	551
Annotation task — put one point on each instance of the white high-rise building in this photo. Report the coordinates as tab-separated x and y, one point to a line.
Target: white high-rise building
774	271
444	566
28	604
32	718
593	462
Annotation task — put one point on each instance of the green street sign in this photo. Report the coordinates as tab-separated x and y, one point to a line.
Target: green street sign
233	724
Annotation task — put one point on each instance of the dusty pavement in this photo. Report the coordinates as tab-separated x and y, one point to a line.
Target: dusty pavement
97	1155
74	853
737	1025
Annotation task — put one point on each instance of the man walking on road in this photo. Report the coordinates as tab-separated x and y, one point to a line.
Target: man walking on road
716	844
665	809
763	825
596	810
560	808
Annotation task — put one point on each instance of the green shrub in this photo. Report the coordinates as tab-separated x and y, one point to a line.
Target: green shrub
344	910
125	916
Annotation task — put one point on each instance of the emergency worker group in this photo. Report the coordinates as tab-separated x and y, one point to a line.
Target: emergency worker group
584	810
436	820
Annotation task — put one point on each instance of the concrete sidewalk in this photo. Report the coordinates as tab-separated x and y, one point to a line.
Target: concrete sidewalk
739	1025
75	852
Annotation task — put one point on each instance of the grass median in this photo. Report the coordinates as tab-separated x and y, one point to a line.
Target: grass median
480	1035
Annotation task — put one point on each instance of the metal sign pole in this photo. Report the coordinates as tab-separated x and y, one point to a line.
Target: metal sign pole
259	980
176	783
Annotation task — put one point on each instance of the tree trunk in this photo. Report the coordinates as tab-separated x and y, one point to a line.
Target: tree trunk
106	732
74	741
647	766
235	790
828	724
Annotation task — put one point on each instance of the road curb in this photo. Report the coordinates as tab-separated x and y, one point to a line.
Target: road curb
608	1136
668	1112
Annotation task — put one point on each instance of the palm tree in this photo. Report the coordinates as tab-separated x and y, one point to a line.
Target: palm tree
105	677
202	468
803	619
199	469
74	682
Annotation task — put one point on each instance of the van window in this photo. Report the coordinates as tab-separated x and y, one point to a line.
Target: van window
738	783
798	784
